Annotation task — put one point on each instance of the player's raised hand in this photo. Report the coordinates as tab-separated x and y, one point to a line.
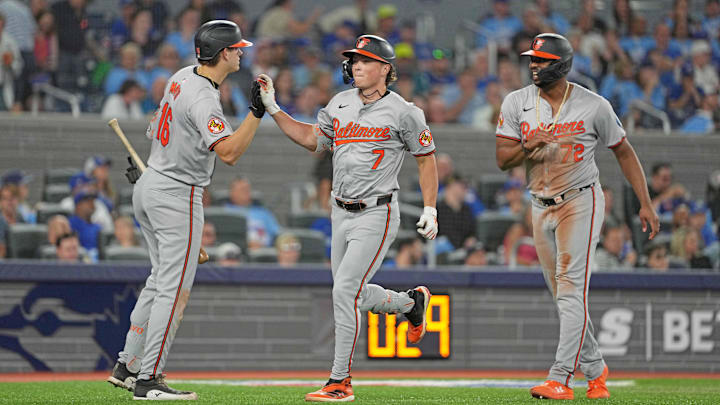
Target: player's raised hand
539	139
428	225
647	215
267	93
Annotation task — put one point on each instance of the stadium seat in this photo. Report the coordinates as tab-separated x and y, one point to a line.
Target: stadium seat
413	198
312	244
24	239
492	227
488	187
220	197
119	253
298	193
54	193
47	210
229	226
640	238
60	176
305	219
409	215
125	196
106	238
262	255
47	252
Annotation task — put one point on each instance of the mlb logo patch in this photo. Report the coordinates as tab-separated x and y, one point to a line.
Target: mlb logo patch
215	125
425	138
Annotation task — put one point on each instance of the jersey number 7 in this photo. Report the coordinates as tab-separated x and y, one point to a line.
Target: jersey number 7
380	152
163	132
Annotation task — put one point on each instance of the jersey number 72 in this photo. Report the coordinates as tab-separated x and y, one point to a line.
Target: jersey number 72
163	132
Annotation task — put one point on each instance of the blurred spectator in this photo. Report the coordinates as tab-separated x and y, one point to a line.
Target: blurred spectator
653	93
228	10
141	32
359	13
455	217
120	25
436	110
556	20
711	18
228	254
485	118
37	6
692	250
702	122
11	64
582	65
263	61
519	231
81	222
409	254
129	68
667	52
310	64
157	91
684	98
419	49
323	172
72	25
8	213
322	81
611	255
57	225
532	25
68	248
637	43
46	51
509	76
611	218
98	168
705	74
712	196
288	250
622	17
261	223
664	193
202	8
227	102
125	104
159	14
183	39
21	180
701	220
386	28
683	26
657	257
463	99
284	91
512	198
209	235
80	183
440	72
306	104
500	26
476	256
341	38
20	25
279	21
125	232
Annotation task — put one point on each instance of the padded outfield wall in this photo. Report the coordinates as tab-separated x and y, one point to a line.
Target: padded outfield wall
74	318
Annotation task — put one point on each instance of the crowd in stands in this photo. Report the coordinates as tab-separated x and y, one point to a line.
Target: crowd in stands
120	59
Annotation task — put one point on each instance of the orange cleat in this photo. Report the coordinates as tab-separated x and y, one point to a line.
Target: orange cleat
418	315
552	390
597	388
333	392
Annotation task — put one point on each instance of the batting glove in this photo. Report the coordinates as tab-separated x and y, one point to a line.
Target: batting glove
428	225
267	94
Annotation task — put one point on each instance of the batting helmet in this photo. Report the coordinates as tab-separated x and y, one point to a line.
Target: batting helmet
371	46
214	36
556	48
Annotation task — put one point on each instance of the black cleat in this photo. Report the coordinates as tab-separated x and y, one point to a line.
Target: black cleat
121	377
418	314
156	389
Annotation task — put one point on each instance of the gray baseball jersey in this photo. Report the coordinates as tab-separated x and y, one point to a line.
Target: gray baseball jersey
585	119
186	127
369	141
567	231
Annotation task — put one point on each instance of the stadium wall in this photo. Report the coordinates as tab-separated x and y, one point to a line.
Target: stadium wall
74	318
272	161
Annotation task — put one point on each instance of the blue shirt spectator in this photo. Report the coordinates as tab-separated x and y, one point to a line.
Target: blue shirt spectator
184	38
130	55
262	227
702	122
501	26
80	222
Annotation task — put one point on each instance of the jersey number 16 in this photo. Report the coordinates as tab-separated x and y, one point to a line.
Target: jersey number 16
163	132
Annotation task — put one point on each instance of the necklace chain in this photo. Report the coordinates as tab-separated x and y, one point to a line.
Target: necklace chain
557	115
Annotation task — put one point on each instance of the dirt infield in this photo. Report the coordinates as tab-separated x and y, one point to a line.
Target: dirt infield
439	374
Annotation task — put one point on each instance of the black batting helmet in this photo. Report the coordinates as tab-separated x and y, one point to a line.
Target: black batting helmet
371	46
556	48
214	36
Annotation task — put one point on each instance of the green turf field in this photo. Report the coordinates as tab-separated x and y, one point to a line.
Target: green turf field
653	391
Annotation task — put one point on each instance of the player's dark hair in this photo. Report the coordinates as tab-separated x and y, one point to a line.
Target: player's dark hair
214	61
659	166
391	76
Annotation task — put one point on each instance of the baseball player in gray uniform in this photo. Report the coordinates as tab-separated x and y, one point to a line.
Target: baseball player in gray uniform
368	129
553	127
187	128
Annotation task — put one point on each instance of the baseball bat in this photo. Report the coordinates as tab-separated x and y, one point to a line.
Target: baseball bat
113	123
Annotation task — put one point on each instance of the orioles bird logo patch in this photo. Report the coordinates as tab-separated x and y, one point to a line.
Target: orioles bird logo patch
362	42
538	43
501	120
425	138
215	125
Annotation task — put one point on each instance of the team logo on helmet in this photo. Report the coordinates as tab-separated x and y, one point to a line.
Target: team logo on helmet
425	138
538	43
362	42
501	120
215	125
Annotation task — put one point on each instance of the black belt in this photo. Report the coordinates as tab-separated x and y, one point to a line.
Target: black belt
562	197
360	205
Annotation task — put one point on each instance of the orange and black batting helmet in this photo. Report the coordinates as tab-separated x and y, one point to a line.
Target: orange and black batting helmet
555	48
216	35
372	46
